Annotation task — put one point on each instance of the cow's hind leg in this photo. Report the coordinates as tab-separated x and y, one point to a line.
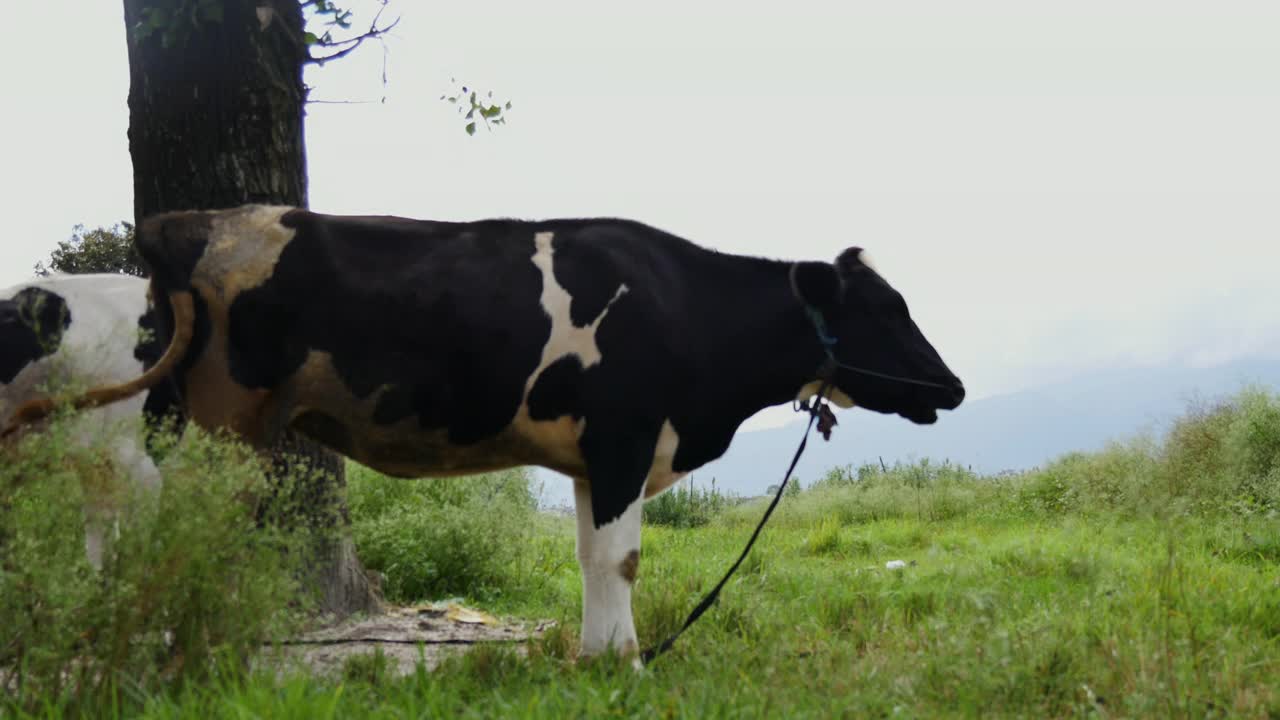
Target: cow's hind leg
102	514
609	556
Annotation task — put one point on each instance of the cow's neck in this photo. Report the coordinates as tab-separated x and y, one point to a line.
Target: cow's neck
765	348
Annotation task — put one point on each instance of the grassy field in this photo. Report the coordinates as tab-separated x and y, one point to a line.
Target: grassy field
995	617
1140	581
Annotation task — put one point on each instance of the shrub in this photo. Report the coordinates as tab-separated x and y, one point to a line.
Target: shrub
1122	476
1220	458
1251	451
441	537
687	507
923	490
189	583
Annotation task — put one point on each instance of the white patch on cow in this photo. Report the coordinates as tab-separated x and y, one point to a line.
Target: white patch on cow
606	593
96	349
661	473
244	246
835	395
865	259
558	438
566	338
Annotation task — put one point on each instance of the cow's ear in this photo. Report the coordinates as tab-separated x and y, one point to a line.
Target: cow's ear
853	259
816	283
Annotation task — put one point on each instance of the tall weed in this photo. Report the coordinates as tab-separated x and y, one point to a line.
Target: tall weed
686	506
190	582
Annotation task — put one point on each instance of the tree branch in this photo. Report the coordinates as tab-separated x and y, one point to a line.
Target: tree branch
350	44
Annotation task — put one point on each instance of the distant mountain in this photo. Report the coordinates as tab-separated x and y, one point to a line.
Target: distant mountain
1014	431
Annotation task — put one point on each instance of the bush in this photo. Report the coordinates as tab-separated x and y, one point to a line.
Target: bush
1223	458
1122	476
1252	452
922	490
1220	458
189	583
441	537
686	508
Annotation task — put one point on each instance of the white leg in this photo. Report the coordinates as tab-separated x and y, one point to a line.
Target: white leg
137	465
95	538
102	517
609	557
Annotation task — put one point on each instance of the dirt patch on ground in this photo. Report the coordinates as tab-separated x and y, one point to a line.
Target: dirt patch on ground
406	636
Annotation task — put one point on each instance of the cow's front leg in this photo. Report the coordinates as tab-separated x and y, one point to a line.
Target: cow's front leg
609	556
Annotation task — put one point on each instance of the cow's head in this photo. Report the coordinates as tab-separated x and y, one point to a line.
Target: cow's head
31	327
886	364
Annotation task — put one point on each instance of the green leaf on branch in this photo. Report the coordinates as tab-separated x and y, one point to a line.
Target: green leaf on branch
472	107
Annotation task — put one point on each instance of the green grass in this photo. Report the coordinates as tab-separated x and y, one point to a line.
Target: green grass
1040	618
1140	581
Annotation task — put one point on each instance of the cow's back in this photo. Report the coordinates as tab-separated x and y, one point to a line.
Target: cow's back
88	334
443	329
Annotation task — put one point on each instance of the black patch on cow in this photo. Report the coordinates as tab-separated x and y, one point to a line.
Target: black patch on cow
589	293
325	429
31	327
171	244
163	403
394	404
556	391
402	304
619	453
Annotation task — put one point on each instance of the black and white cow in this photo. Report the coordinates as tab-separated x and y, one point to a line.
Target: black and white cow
87	329
607	350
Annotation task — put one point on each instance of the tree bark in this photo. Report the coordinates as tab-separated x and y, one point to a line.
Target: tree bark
216	121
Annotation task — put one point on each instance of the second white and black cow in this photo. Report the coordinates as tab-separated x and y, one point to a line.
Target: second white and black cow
95	330
613	352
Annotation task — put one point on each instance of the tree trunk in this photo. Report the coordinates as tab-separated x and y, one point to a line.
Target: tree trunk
215	121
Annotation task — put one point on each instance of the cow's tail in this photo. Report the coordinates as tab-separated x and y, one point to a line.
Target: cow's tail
183	322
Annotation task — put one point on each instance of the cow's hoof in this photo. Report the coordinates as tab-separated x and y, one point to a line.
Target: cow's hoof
612	657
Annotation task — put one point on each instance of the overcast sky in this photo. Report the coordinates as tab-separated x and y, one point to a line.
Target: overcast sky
1053	186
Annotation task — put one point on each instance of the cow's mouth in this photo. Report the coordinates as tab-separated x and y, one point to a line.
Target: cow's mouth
920	414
